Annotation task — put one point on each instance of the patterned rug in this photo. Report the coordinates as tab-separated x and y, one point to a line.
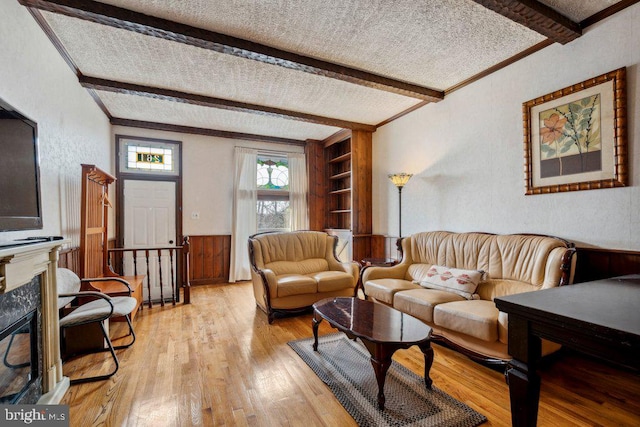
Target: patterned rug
344	366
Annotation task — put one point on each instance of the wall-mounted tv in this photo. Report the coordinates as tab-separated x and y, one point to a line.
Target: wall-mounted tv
20	206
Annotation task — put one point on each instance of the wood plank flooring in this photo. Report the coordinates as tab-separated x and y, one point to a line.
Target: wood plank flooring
218	362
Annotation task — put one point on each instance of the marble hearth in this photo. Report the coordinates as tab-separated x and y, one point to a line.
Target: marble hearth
28	290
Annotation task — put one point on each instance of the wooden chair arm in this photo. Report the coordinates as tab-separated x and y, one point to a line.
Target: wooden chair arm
108	279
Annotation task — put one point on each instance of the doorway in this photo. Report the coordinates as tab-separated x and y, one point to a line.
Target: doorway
150	222
149	200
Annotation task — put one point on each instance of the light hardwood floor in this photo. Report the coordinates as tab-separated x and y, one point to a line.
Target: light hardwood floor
218	362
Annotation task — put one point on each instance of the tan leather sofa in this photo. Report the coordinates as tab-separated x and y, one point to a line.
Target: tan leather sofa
291	271
511	264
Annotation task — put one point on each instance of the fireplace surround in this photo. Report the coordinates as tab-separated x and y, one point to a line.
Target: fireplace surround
28	305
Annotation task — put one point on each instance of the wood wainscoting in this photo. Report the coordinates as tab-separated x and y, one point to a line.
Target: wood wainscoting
209	258
210	255
597	263
70	258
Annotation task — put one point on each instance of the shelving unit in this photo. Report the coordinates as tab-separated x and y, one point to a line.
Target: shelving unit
338	160
347	192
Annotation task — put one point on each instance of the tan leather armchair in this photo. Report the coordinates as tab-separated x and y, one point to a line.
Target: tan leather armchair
292	270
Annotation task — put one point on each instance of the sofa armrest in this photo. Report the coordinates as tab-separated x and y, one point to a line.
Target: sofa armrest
396	272
353	268
264	286
271	283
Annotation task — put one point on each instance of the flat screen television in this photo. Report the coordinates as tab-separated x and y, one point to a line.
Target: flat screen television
20	205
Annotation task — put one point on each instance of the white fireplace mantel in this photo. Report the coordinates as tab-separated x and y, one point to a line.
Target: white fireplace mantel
18	266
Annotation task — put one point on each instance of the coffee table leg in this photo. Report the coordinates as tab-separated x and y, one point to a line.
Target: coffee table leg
428	361
314	324
381	367
381	354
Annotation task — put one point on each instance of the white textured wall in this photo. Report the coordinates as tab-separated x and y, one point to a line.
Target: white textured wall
467	151
207	177
72	129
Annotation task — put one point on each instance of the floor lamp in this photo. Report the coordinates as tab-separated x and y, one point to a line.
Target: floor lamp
400	180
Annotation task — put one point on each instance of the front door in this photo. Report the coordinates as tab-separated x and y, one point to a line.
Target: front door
150	222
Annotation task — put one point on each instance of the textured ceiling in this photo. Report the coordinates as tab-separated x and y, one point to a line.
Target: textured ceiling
141	108
302	69
579	10
98	52
435	43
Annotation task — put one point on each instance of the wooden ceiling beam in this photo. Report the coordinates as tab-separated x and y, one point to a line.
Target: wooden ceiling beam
607	12
117	121
537	17
211	102
181	33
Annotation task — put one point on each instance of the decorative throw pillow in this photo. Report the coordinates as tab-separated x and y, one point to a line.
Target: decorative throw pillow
458	281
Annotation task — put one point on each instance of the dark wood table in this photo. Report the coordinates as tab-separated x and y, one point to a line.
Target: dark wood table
382	329
378	262
600	318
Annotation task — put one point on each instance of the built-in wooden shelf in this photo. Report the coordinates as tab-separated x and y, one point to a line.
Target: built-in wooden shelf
342	175
341	191
342	158
347	189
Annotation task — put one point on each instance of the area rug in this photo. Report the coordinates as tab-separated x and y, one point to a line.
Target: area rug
344	365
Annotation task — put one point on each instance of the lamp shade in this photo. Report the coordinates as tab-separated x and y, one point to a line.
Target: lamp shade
400	179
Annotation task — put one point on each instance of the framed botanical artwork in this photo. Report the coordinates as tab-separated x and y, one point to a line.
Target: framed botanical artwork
576	138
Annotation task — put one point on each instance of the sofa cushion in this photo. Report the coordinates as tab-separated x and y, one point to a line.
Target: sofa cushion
418	272
383	290
495	288
458	281
293	246
329	281
520	257
420	302
296	284
477	318
305	266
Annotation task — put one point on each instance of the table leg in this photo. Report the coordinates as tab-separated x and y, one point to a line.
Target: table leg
314	325
522	376
428	361
381	367
524	393
381	361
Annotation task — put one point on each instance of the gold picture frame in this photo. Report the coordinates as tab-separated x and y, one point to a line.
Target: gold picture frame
576	138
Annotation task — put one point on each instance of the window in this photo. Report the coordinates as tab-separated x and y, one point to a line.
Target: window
148	156
273	194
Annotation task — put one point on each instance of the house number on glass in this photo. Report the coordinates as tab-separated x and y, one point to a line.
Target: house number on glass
150	158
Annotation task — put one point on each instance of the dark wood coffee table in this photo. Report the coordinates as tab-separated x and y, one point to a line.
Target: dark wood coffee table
382	329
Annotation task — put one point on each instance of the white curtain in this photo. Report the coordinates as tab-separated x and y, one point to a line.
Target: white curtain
298	191
244	213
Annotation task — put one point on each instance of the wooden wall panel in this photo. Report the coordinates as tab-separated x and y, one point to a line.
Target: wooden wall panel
361	198
361	247
361	183
209	259
315	173
70	258
378	244
596	263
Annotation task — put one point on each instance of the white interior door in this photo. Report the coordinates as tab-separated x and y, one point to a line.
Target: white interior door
150	222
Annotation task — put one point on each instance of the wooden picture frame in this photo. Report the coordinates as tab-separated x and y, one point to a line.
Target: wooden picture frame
576	138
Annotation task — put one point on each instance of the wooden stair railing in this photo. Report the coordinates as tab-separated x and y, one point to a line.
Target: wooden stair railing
179	278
